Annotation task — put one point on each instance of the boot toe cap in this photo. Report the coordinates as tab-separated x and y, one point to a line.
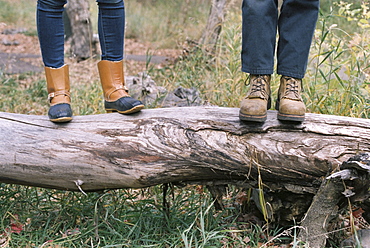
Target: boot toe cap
124	105
254	107
292	111
60	112
292	108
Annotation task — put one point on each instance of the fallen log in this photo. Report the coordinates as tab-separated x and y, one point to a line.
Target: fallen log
189	144
193	145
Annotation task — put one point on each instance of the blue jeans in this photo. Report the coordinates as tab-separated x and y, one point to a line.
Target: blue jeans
295	26
50	28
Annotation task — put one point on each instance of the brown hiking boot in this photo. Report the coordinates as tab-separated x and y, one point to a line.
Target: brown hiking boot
289	102
254	106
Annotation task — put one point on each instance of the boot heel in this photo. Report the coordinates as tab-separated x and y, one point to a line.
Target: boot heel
109	111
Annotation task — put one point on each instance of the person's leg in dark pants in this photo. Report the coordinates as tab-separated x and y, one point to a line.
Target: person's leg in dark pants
50	30
296	25
260	19
111	25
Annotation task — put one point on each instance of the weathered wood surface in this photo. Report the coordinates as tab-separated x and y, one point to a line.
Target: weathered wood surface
188	144
323	208
349	184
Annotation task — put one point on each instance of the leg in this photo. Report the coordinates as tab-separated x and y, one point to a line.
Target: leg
259	36
258	49
50	30
111	24
111	27
51	36
297	24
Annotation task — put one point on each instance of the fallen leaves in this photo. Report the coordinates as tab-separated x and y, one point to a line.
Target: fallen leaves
15	226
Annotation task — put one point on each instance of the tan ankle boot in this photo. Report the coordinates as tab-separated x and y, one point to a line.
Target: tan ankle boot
116	97
59	93
254	106
290	103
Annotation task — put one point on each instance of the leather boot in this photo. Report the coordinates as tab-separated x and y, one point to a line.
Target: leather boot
254	106
116	97
289	102
57	81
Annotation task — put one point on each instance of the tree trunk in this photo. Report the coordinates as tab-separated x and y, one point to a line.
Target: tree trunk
214	25
80	29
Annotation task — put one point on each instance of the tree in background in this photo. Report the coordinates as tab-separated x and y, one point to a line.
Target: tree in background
79	29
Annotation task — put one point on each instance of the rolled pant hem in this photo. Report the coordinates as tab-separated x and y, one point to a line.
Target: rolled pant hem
290	74
258	71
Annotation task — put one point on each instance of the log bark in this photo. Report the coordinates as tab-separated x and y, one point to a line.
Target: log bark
197	145
323	209
349	185
176	145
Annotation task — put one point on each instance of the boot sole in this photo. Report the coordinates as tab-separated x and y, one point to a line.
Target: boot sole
253	118
285	117
60	120
130	111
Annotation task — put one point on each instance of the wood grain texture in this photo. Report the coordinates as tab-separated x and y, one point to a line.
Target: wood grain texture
188	144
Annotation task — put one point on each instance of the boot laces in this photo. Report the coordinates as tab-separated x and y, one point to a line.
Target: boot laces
258	87
292	88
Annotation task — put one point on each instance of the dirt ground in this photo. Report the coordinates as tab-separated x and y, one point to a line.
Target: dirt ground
20	53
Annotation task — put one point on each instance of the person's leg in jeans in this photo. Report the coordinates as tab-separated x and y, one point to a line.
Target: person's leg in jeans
49	16
259	29
296	27
296	24
111	27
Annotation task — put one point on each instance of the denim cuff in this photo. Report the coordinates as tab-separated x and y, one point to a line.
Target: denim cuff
257	71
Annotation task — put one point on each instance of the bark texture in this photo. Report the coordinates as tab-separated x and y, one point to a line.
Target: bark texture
188	144
197	145
350	184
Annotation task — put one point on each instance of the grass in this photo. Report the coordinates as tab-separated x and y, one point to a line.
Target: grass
339	67
157	22
20	13
119	218
337	82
